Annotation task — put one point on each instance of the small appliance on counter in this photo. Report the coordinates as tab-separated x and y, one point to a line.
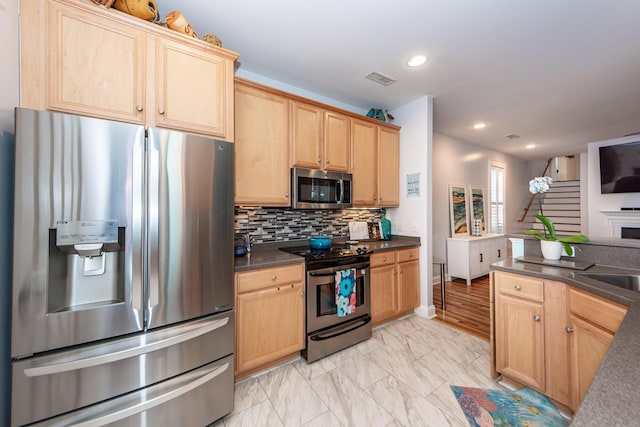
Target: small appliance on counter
241	245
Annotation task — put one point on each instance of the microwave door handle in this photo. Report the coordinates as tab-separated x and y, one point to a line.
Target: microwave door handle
339	191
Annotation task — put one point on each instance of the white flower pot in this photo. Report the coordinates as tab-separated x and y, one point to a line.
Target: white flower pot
551	250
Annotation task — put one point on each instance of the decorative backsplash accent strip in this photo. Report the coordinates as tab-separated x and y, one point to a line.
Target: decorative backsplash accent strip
277	224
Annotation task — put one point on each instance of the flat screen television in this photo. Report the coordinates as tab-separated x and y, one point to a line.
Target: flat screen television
620	168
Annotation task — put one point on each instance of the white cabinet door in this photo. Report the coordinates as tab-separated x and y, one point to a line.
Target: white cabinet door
478	265
470	257
495	250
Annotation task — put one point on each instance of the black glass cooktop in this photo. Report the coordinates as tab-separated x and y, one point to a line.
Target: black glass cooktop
339	250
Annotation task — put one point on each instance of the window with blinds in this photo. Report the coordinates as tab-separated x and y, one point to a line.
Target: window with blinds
496	197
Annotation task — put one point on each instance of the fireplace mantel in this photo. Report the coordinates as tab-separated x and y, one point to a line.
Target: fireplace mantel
616	220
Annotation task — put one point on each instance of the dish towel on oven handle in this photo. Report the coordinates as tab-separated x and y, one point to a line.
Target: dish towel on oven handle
346	291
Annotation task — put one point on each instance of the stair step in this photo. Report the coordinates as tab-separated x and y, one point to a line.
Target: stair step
567	189
562	195
562	213
563	200
561	229
561	220
565	184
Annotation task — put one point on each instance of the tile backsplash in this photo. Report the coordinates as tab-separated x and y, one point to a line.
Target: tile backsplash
277	224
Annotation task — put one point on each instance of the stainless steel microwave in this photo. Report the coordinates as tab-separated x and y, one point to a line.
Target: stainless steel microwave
316	189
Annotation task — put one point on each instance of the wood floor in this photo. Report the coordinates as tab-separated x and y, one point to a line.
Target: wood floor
466	307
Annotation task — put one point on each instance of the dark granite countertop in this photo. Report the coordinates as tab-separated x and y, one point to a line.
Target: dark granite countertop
611	397
269	255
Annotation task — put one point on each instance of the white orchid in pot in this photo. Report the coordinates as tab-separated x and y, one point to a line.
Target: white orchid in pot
550	243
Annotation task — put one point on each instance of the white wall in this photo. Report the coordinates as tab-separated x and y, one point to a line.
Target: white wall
8	100
604	202
414	217
459	162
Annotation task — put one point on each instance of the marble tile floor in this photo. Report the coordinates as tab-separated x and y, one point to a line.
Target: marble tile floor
399	377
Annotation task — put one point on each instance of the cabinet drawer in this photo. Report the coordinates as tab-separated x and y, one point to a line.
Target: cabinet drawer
266	277
383	258
520	286
599	311
410	254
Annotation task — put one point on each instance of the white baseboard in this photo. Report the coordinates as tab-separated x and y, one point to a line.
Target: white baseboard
428	312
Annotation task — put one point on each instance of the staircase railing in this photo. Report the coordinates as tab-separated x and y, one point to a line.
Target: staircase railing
533	196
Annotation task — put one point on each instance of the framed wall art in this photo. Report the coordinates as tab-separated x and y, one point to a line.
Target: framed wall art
458	210
476	207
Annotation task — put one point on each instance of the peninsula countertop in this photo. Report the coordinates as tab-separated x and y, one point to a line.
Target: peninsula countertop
612	396
270	255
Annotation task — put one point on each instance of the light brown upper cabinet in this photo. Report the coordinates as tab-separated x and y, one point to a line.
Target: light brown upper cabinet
319	138
262	146
364	140
376	164
83	59
279	130
388	182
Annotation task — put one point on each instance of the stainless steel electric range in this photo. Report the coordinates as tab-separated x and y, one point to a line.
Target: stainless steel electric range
328	329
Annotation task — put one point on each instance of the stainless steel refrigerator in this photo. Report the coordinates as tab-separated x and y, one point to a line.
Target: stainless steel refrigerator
122	287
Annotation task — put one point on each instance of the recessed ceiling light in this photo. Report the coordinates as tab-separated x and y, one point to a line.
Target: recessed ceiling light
530	146
480	126
416	60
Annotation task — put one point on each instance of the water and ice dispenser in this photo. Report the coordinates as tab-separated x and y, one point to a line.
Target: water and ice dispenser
86	265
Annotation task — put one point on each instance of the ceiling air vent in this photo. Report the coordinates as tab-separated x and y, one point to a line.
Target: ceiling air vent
513	136
378	77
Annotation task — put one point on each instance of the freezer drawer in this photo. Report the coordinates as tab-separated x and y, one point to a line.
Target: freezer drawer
194	399
52	384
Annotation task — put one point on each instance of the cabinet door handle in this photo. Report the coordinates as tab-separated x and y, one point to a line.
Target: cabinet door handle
517	287
410	254
402	270
499	253
568	329
139	108
384	259
481	258
536	318
301	293
160	111
319	161
395	272
274	277
328	161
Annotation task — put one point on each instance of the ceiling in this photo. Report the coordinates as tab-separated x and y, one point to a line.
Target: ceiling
559	74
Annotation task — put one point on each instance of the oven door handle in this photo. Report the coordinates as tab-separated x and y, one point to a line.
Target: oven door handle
314	274
335	333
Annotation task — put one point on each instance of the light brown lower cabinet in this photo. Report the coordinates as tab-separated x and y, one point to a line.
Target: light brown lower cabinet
270	307
395	283
593	322
550	336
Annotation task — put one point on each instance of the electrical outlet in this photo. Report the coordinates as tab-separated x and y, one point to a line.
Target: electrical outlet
573	255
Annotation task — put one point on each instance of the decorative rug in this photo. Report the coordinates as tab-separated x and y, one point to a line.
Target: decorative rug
524	407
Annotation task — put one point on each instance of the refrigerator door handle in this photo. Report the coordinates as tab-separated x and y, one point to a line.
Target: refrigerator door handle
152	264
113	355
136	408
138	263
